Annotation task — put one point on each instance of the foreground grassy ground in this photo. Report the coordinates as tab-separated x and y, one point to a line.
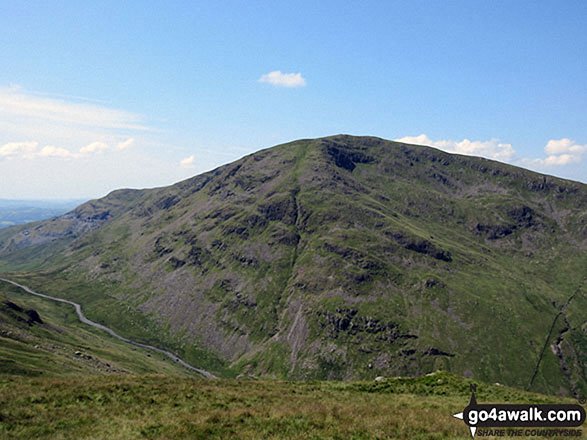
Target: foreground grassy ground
172	407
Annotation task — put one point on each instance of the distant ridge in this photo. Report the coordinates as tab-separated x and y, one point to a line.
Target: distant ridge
15	212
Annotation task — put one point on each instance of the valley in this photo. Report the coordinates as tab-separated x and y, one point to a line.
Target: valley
43	338
86	321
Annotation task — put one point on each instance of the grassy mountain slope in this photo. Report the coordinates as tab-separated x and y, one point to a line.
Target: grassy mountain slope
163	407
41	338
336	258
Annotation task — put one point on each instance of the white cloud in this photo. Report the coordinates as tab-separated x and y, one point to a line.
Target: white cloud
560	152
126	144
66	127
94	147
66	146
188	162
492	149
53	151
29	150
554	147
17	148
87	177
277	78
563	159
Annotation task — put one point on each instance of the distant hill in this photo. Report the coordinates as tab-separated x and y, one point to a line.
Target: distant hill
336	258
16	212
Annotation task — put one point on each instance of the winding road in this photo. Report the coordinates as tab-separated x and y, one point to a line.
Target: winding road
111	332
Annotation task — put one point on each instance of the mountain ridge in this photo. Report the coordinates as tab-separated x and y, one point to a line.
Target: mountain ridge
341	257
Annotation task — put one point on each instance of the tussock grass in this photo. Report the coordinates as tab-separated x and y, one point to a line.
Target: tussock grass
170	407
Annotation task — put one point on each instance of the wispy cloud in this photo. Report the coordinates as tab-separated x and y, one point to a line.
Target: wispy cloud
17	102
125	144
279	79
62	145
94	147
188	162
35	125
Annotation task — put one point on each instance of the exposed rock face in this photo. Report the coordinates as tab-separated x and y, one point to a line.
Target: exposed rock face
343	257
30	316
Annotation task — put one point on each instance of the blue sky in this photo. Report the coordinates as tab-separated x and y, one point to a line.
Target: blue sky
96	96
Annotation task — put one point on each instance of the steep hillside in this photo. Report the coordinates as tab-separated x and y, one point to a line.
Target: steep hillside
41	338
336	258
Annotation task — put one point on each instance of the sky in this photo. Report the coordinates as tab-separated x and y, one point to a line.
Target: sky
96	96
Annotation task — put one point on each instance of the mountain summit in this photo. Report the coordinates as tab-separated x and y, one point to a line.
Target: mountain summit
338	258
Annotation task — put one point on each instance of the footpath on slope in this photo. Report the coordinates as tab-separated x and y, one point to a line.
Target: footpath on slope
111	332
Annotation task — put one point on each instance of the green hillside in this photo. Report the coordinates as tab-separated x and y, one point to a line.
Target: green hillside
335	258
41	338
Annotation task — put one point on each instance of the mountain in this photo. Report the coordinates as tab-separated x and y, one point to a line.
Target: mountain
335	258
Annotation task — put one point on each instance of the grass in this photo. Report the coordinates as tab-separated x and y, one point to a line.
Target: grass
101	306
168	407
62	346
